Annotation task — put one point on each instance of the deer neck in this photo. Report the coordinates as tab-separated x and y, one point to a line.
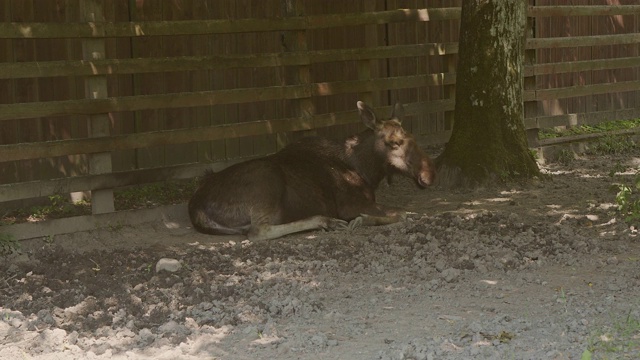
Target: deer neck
365	158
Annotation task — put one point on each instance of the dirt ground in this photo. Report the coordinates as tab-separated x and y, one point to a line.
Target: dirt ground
542	271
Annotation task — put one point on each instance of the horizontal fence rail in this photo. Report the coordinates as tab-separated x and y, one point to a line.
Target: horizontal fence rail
206	27
190	63
385	71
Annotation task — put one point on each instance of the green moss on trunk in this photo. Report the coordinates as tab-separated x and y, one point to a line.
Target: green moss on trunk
488	141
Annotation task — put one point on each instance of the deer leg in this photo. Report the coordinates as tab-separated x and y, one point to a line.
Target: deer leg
266	231
378	215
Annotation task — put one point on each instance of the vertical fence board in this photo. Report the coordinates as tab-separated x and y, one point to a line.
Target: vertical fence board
99	124
121	85
149	83
8	129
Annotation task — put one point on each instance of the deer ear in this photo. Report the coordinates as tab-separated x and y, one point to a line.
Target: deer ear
398	112
367	115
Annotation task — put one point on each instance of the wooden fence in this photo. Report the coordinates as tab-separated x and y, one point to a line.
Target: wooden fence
100	94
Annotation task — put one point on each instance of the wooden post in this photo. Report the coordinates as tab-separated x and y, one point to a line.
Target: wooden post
366	68
296	41
531	107
96	88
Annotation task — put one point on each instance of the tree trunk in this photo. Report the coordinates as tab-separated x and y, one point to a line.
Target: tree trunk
488	141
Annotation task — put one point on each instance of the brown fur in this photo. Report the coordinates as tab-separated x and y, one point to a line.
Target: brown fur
314	183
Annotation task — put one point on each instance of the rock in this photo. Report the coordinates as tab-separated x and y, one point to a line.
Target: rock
166	264
146	337
4	330
451	275
172	327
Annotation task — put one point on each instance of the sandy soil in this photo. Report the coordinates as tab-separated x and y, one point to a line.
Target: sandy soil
542	271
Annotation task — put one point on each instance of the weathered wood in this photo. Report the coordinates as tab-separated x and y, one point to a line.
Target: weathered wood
165	101
90	222
296	41
15	30
180	136
194	27
231	58
585	65
207	98
17	191
366	67
581	90
577	119
583	137
583	10
189	63
574	41
98	124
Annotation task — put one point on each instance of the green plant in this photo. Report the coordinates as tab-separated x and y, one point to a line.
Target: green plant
618	339
116	227
58	206
617	168
49	239
165	193
589	129
565	157
8	244
628	201
611	145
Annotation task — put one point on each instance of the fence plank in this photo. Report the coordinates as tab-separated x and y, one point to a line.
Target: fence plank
230	131
10	192
99	124
583	137
577	119
230	61
241	64
22	30
573	41
575	91
586	65
207	98
583	10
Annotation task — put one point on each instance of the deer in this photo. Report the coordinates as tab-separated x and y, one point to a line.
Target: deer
314	183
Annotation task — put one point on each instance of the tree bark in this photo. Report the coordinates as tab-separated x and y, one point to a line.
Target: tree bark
488	141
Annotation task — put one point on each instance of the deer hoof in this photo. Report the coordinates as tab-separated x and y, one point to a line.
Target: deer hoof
334	224
357	222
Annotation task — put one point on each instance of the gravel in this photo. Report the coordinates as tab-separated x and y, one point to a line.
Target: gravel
542	275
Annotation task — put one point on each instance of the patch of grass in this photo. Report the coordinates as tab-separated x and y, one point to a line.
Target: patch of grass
589	129
8	245
57	207
617	168
565	157
628	200
151	195
614	342
611	145
134	197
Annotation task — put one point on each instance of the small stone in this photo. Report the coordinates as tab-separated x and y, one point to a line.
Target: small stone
451	275
166	264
